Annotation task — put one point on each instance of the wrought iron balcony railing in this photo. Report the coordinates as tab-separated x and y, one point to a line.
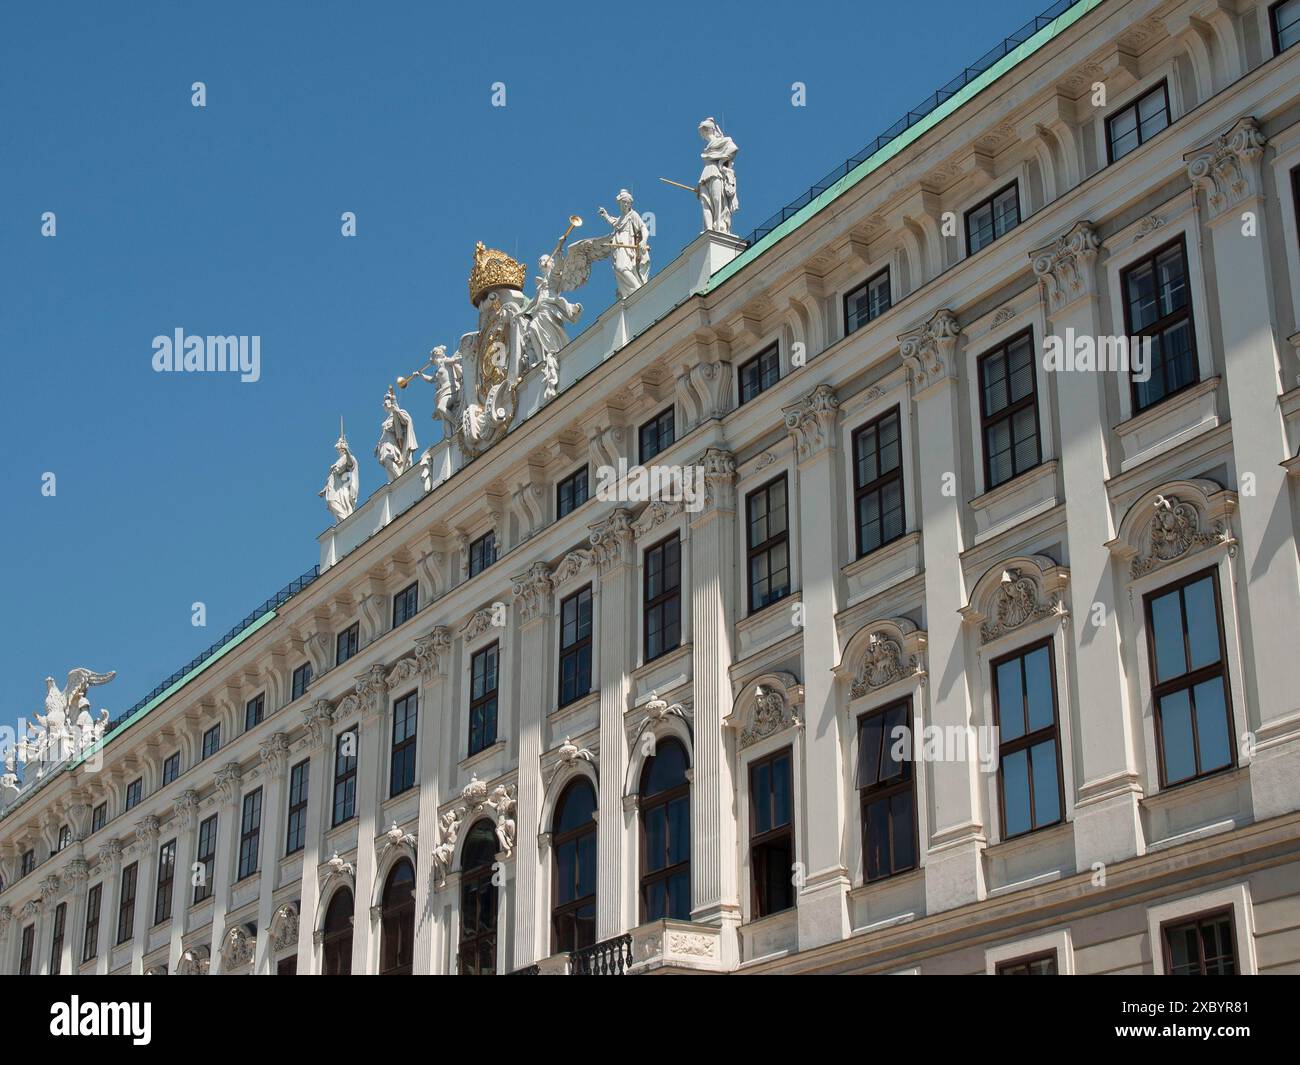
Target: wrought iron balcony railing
610	958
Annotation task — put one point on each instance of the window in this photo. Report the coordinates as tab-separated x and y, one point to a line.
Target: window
126	905
885	787
771	834
482	552
878	482
1037	965
287	966
405	604
28	863
206	858
571	493
162	902
1029	762
1158	307
992	218
90	938
345	777
760	373
656	435
573	913
250	832
212	741
346	643
1189	679
301	681
1137	123
401	776
483	699
1009	411
171	767
768	544
866	302
477	954
1284	18
397	922
98	817
56	942
1200	946
65	836
254	711
25	955
336	936
666	835
134	791
575	646
296	833
663	602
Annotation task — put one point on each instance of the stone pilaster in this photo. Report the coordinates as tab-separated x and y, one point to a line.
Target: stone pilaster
78	878
319	721
187	818
372	688
433	653
274	754
110	866
146	885
230	789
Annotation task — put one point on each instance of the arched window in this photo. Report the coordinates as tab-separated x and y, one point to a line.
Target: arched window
336	940
666	835
573	912
478	902
397	923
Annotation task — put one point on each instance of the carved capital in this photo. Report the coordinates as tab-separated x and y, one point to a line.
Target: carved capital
187	808
532	591
1228	168
719	468
146	830
611	540
433	651
1067	268
811	421
275	754
318	718
110	855
78	870
930	351
228	780
372	686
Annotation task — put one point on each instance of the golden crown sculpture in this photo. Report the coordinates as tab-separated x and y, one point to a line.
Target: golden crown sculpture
493	269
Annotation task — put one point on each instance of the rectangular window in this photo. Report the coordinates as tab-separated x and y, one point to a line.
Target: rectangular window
98	817
171	767
992	218
250	834
206	858
134	792
760	373
254	711
482	552
1138	122
768	544
1200	946
1029	761
571	493
1009	411
878	482
656	435
65	836
575	646
90	937
296	832
483	699
25	955
663	598
56	941
1189	679
346	643
212	741
126	905
771	834
301	681
28	863
1158	308
885	788
866	302
1284	19
1037	965
162	900
345	777
405	604
401	775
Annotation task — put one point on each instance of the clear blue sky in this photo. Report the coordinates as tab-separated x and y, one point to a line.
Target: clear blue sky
176	488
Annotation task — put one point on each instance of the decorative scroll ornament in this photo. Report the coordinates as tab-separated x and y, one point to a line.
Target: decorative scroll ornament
1066	269
811	421
1175	530
283	929
568	755
237	947
768	707
571	565
336	867
395	837
1021	591
1017	602
883	653
1228	168
405	670
194	961
882	664
479	623
929	352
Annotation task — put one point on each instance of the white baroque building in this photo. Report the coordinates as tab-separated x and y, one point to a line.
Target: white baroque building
515	725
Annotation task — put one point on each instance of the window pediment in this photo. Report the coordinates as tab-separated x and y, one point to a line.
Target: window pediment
1016	593
765	707
882	653
1174	521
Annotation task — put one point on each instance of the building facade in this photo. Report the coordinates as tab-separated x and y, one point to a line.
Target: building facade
966	646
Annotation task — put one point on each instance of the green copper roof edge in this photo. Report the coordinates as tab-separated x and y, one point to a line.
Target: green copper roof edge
1053	29
163	696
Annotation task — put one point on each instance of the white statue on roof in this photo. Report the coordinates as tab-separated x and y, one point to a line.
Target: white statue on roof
629	246
397	444
717	184
343	484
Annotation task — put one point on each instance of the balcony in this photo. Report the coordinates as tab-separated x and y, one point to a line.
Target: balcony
660	946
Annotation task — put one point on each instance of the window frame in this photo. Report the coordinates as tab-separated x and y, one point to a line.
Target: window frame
765	548
250	836
295	826
579	476
57	932
407	603
90	930
1024	961
202	892
574	650
479	703
343	777
164	882
1273	32
656	423
214	731
98	817
404	750
1224	913
877	485
254	711
478	878
351	636
171	768
27	950
661	600
773	351
483	553
878	792
1133	105
572	836
126	904
1027	739
865	287
988	202
647	804
1160	325
134	794
296	690
1013	407
760	842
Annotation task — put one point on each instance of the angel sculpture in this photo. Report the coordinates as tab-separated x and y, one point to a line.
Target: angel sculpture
543	319
89	730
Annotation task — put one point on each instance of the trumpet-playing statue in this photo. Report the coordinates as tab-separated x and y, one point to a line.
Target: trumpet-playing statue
343	483
717	185
629	246
397	444
446	380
